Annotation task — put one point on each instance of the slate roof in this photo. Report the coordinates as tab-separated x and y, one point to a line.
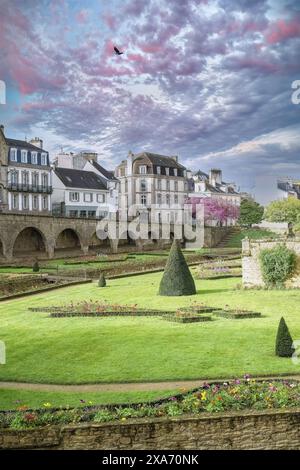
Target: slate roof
23	144
289	187
160	160
108	174
79	178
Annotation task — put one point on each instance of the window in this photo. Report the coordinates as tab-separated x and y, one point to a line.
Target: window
14	177
74	197
143	199
45	203
158	170
167	171
143	169
159	198
25	202
168	185
34	158
45	180
13	155
92	214
168	199
24	156
126	186
175	171
15	201
73	213
25	178
82	214
176	199
88	197
143	186
35	203
35	179
176	185
44	159
159	185
101	198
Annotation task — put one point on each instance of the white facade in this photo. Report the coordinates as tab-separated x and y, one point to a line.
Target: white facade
79	202
112	186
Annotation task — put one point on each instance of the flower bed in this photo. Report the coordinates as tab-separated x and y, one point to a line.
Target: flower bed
187	318
237	314
244	394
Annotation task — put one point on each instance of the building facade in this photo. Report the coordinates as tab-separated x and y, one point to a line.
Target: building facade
79	193
26	182
153	182
111	182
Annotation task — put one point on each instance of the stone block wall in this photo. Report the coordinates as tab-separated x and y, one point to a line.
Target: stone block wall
272	429
252	276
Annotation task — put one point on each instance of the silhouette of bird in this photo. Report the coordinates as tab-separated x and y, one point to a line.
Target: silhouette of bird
117	51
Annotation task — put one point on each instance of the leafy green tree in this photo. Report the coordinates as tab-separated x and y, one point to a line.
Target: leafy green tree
284	341
285	210
250	213
177	278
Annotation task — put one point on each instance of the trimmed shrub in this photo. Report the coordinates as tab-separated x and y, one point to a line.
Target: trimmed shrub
35	267
177	278
102	281
284	341
277	264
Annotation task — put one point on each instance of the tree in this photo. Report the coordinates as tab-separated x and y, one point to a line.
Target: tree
102	280
284	341
250	213
177	278
285	210
215	210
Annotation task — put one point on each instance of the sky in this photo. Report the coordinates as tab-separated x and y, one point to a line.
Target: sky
207	80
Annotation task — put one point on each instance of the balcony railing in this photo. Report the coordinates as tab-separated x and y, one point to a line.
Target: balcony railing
30	188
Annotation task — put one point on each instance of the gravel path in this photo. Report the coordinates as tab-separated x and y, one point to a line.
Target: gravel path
122	387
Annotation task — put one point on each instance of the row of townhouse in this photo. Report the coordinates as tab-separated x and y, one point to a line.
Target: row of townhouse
79	186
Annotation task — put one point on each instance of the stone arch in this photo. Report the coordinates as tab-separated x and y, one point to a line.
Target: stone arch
29	241
127	241
1	250
95	243
68	239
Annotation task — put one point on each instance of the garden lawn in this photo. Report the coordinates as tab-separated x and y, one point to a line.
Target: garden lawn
91	350
14	399
235	240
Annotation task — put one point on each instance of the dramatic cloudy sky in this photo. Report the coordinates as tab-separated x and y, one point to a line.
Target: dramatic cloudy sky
208	80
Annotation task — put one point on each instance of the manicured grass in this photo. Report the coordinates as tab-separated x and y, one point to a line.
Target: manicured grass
14	399
87	350
254	234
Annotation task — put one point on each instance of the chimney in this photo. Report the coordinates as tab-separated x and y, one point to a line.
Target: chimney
215	177
37	142
2	128
175	157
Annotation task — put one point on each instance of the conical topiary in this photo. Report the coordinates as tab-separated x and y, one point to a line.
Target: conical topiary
102	280
35	267
177	279
284	341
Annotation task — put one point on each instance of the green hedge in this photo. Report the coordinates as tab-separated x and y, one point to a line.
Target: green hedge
277	264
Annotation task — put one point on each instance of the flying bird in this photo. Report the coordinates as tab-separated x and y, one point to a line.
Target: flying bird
117	51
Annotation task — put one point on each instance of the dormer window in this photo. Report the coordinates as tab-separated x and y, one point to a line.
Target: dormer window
158	170
24	156
13	155
175	171
143	169
34	158
44	159
167	171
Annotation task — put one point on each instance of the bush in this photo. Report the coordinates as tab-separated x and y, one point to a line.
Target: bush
284	341
277	264
177	278
35	267
102	280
